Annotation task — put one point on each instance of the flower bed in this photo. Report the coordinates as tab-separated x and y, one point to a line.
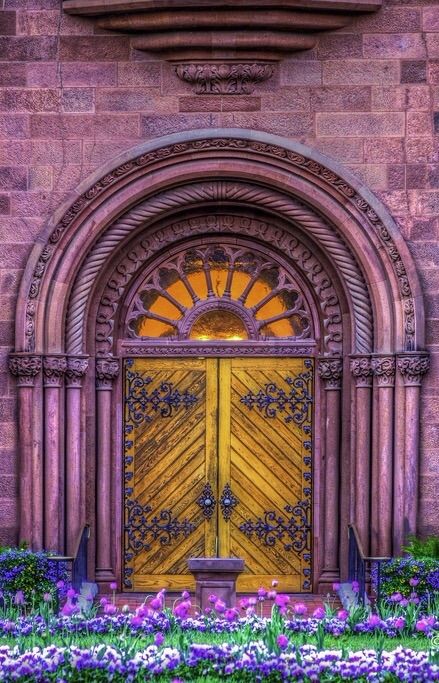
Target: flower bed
181	644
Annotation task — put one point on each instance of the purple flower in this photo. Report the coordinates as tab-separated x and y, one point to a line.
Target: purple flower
47	597
213	598
342	615
71	593
374	620
113	586
336	587
355	586
185	595
231	614
282	641
110	609
399	622
414	581
19	598
159	639
319	613
262	592
182	609
220	606
300	608
60	584
396	597
281	600
422	625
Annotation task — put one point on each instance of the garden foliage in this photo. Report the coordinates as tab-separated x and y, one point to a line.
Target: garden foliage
27	576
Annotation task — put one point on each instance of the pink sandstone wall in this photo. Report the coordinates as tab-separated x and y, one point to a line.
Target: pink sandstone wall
72	98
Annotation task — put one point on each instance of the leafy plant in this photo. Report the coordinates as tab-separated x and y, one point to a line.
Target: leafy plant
409	580
28	577
420	548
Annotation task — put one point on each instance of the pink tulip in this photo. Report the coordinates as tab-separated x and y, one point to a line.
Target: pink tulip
185	595
69	609
213	598
374	620
136	621
282	641
19	598
71	593
220	606
342	615
230	614
399	622
281	600
319	613
113	586
414	581
336	587
110	609
159	639
300	609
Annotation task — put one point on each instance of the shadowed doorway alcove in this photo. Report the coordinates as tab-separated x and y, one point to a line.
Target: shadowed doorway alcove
349	304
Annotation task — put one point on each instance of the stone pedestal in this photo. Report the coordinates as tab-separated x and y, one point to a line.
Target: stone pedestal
215	575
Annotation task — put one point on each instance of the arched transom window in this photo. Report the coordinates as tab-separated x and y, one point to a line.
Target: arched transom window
219	292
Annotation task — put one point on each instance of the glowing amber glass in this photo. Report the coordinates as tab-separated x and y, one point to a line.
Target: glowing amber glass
148	327
218	325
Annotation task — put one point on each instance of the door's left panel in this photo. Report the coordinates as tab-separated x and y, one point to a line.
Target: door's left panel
170	423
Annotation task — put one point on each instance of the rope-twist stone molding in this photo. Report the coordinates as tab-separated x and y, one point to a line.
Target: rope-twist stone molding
302	215
231	145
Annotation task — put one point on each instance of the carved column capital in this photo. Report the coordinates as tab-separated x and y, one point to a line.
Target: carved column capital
54	369
384	370
330	371
76	369
224	79
361	368
413	367
25	367
107	369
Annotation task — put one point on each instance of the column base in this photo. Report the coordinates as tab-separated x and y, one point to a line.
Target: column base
215	575
104	577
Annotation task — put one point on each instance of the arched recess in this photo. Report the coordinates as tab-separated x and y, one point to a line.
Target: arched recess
358	271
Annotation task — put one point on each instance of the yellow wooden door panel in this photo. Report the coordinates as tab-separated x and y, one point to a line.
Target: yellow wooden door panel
170	455
265	457
244	427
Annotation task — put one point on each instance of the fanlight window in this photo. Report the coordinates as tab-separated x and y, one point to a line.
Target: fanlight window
219	293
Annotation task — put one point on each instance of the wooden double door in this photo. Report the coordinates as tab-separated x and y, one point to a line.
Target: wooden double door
218	462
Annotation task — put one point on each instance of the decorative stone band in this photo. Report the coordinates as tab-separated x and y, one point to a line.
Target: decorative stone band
224	79
25	367
361	368
413	367
330	371
384	370
54	369
77	367
107	369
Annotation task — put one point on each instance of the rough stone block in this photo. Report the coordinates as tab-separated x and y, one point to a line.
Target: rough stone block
343	149
388	20
5	204
436	121
206	103
430	18
425	229
125	99
14	152
294	72
358	124
8	484
77	99
14	126
419	123
89	73
384	150
12	74
413	71
287	99
29	100
396	201
422	149
433	72
31	4
336	46
42	75
44	152
38	23
361	72
8	23
340	99
40	178
84	126
23	230
13	178
28	49
394	45
417	176
432	45
425	204
93	48
152	126
75	25
279	124
96	152
145	74
396	177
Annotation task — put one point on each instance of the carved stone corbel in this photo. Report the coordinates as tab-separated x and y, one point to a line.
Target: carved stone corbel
107	369
77	367
413	367
330	371
361	369
224	79
54	369
384	370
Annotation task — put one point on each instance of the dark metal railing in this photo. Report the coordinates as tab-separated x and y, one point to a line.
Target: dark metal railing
360	565
78	561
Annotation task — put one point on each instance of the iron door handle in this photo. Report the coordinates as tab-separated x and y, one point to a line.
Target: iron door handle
228	502
207	501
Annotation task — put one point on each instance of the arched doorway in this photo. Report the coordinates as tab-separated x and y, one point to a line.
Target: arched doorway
357	318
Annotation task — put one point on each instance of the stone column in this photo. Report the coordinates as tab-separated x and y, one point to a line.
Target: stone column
25	368
330	372
107	370
412	366
75	503
361	369
382	460
54	368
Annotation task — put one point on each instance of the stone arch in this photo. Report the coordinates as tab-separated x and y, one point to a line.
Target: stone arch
376	280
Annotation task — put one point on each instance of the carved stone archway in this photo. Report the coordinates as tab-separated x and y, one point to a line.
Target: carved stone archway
347	250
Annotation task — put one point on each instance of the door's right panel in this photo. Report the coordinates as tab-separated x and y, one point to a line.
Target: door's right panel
265	465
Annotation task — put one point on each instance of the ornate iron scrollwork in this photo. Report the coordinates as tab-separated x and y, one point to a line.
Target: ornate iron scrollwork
164	399
272	399
207	501
140	531
228	502
273	527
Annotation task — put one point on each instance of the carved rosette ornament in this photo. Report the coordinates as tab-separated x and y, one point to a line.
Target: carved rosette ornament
224	79
384	370
330	372
54	369
25	368
76	368
107	369
361	368
413	368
